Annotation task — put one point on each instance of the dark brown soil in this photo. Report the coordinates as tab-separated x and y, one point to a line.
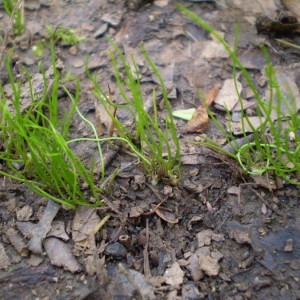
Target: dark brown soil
217	234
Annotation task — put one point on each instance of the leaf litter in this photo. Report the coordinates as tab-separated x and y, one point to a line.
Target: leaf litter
204	216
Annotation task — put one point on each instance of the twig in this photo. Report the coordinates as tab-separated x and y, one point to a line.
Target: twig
147	271
156	207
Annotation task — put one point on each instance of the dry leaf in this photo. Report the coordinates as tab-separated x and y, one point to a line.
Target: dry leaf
212	94
200	118
85	221
166	215
60	254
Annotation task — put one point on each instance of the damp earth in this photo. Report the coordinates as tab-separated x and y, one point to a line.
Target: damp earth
217	233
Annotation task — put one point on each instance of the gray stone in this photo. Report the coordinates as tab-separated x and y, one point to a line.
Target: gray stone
101	31
116	250
113	19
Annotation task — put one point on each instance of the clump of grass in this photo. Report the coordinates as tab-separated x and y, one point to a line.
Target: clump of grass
155	142
276	144
15	9
55	35
35	146
63	34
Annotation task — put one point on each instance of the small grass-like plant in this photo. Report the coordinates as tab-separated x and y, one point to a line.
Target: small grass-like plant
156	143
15	9
63	34
55	35
35	146
276	141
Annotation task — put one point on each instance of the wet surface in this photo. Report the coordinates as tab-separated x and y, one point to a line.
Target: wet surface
217	234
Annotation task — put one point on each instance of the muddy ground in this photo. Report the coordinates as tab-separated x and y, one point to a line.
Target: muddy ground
218	233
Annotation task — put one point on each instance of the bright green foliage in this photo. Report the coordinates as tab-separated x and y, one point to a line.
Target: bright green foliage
59	34
63	34
15	9
37	141
276	143
154	140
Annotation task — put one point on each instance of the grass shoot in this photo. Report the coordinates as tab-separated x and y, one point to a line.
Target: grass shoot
15	9
275	148
154	141
35	146
59	34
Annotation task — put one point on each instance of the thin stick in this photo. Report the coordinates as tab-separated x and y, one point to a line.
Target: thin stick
147	270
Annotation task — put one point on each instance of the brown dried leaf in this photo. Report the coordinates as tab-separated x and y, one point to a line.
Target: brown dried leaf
199	121
166	215
83	225
200	118
211	96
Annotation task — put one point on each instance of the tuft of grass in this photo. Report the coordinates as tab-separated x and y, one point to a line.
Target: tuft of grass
55	35
157	142
63	34
35	146
276	141
15	9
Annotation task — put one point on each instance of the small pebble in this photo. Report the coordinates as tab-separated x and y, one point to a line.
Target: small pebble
101	31
116	250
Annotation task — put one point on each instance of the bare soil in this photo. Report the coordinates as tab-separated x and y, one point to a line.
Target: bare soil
217	234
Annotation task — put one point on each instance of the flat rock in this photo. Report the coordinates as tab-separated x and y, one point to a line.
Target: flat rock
214	49
245	125
116	250
113	19
290	91
268	7
101	31
227	97
95	62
